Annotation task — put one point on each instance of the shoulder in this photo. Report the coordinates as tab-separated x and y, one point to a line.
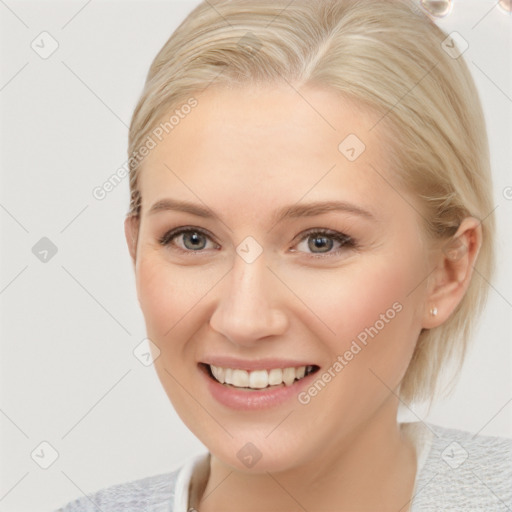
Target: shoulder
151	494
465	471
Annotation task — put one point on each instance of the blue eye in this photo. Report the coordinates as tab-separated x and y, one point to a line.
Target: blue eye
322	241
316	242
192	239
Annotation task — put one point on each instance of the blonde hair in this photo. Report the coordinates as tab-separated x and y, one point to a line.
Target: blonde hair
385	55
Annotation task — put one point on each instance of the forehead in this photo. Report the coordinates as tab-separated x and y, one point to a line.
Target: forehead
266	141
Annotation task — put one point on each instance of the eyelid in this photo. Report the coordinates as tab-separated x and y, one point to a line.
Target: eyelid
323	231
172	234
346	241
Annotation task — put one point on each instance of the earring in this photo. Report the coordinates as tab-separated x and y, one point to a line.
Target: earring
433	311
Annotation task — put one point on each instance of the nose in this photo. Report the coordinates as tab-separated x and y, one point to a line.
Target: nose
247	309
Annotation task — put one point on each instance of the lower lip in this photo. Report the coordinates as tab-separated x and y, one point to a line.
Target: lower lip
254	400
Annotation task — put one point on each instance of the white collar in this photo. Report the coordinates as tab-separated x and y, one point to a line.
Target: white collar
183	481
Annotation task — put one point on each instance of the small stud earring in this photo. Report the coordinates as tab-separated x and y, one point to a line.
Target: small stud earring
433	311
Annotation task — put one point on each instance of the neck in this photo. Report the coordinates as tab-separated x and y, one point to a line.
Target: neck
373	469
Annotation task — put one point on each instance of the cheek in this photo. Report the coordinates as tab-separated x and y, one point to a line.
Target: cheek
158	291
172	297
349	299
375	332
367	312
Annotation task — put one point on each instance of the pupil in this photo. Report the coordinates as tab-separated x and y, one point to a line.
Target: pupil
321	242
194	239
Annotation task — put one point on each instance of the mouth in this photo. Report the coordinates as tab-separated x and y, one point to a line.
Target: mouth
257	380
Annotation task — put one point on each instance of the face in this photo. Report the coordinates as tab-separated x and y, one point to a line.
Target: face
276	253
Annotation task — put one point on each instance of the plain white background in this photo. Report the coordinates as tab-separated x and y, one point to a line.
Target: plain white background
69	325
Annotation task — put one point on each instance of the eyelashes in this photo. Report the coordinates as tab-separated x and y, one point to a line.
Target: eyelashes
198	240
325	236
169	237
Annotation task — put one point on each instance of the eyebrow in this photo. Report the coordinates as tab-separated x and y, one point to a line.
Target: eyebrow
293	211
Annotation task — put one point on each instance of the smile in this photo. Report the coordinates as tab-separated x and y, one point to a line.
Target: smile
259	379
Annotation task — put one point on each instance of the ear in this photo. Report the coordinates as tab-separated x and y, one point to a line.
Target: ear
452	274
131	232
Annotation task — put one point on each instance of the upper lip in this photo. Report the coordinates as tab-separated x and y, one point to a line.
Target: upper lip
254	364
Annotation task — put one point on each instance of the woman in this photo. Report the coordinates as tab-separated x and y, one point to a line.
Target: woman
310	194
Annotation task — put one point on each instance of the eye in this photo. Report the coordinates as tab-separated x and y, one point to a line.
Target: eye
187	239
318	242
321	242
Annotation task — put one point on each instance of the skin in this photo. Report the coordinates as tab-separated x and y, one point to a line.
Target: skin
245	153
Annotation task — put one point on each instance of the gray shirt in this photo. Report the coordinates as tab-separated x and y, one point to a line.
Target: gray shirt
456	472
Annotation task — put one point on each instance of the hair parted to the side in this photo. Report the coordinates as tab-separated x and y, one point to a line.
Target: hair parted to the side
385	55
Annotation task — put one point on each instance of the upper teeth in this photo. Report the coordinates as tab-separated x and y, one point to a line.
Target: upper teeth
257	379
